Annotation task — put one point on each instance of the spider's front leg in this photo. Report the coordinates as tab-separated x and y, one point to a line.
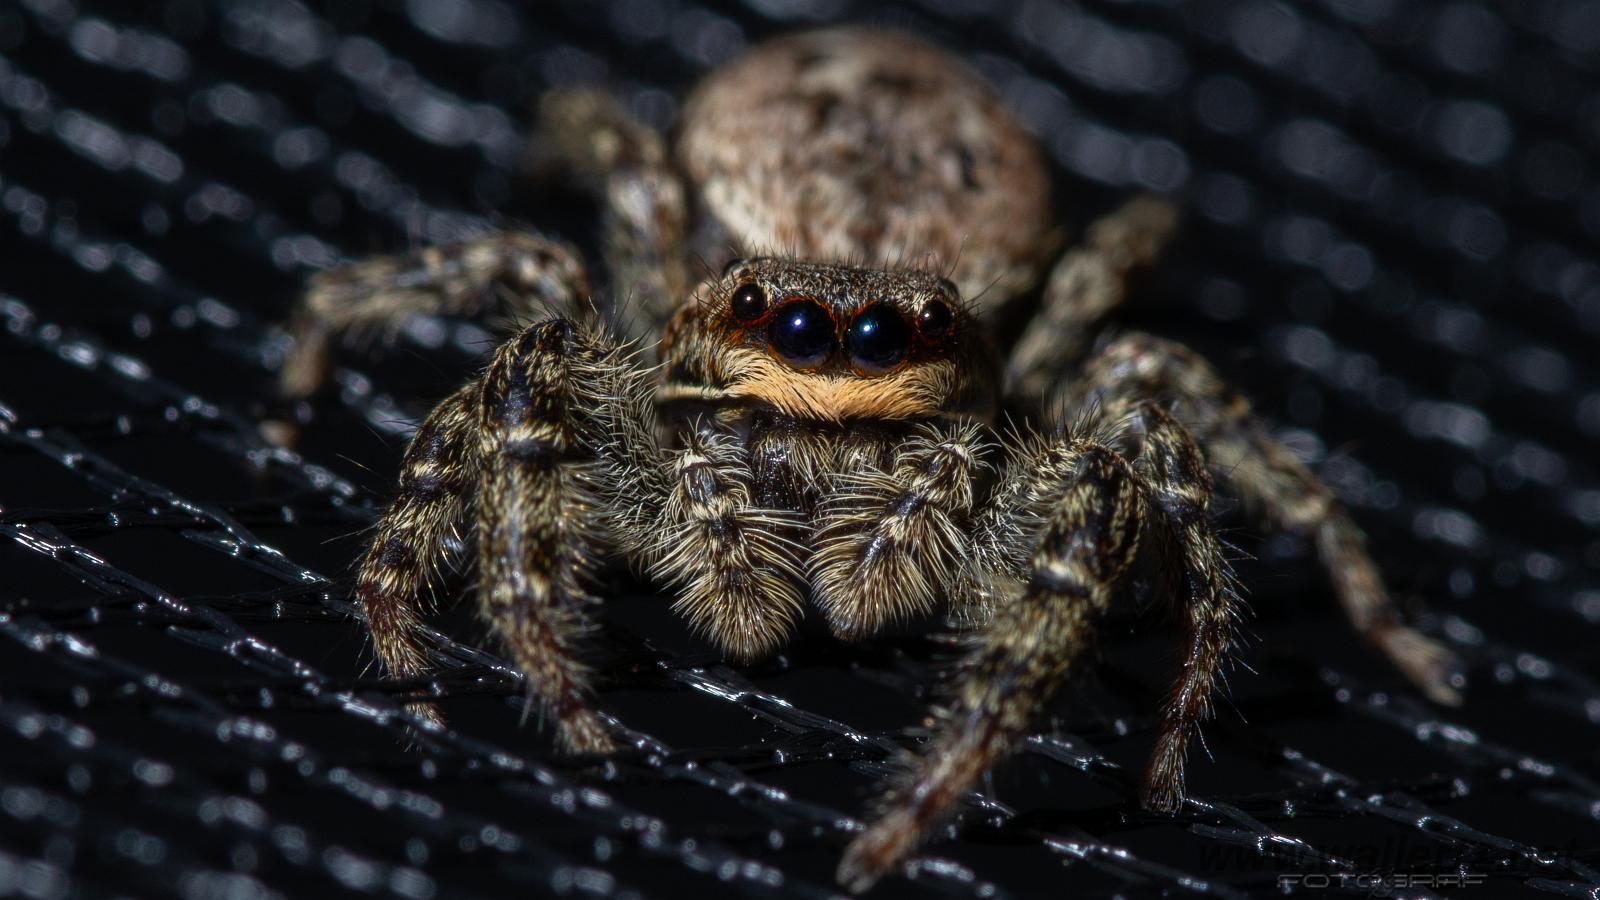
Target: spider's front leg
1274	484
538	517
1088	511
552	419
1084	513
409	544
519	273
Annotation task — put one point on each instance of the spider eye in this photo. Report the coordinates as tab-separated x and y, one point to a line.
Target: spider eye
934	319
749	302
878	339
801	333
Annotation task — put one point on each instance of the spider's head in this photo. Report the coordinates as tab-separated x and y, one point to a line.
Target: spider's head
830	342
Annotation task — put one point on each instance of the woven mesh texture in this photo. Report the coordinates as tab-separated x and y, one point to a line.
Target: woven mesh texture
1392	215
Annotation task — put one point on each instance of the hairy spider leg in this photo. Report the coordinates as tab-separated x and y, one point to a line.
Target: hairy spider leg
1090	510
539	521
1206	597
1087	283
399	571
645	206
1283	493
528	440
520	274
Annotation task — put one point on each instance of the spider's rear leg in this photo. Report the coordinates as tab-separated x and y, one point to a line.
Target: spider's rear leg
519	273
646	208
1090	510
1274	484
409	543
1087	283
890	544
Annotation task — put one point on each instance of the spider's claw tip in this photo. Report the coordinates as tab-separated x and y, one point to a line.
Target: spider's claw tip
875	852
426	719
854	876
584	733
1162	803
1162	799
280	433
1435	669
1447	688
854	879
1163	778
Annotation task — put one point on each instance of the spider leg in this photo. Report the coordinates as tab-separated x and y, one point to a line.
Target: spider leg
646	209
734	563
1275	484
1180	485
890	544
521	272
409	543
1088	508
1088	282
539	519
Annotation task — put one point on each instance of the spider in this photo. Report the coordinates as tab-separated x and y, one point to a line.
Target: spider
818	419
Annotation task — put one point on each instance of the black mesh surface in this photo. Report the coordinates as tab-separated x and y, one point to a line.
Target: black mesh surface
1392	215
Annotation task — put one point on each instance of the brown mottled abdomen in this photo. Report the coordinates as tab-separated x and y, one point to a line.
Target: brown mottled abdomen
873	148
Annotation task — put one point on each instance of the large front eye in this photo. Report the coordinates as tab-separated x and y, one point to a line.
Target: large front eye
801	333
878	339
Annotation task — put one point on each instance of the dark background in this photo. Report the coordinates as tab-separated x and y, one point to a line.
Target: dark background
1392	214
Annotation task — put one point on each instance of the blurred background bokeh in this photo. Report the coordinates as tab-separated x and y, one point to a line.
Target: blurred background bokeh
1392	211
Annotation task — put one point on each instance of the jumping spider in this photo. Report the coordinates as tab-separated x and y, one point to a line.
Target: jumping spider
822	422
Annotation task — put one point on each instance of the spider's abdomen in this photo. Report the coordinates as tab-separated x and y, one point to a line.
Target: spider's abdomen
869	147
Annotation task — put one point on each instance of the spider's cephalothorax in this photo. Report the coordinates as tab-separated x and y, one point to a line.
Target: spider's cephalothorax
822	374
821	425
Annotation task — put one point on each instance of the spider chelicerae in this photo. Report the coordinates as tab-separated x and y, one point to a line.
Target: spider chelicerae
818	420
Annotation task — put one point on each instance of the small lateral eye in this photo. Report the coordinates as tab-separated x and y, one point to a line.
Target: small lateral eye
934	319
879	339
749	302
